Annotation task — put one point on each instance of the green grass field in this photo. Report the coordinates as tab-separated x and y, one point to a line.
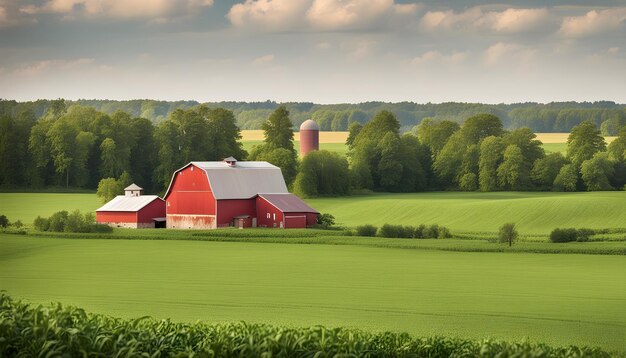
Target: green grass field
555	147
558	299
534	213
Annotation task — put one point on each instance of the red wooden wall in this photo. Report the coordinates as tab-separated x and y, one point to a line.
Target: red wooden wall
190	193
156	209
116	217
263	208
227	209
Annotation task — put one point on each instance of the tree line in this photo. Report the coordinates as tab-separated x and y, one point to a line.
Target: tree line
550	117
77	146
478	155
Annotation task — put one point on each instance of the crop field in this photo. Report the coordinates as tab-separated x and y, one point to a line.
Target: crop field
533	212
557	299
548	138
325	137
335	141
340	148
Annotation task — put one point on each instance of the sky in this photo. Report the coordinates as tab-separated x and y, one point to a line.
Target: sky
322	51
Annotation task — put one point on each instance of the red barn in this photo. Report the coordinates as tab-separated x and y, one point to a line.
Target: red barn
132	210
208	195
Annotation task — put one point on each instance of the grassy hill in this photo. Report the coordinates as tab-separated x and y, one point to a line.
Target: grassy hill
534	212
557	299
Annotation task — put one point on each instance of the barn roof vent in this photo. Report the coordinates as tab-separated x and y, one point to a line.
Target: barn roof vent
133	190
230	161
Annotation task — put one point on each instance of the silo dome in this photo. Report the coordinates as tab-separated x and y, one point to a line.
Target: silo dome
309	137
309	125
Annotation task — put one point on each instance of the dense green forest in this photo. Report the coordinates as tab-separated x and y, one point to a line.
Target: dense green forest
550	117
71	145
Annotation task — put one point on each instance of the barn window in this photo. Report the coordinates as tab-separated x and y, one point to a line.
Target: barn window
168	203
274	216
268	215
192	169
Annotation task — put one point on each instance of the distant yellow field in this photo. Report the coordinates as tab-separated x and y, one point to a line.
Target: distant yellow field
561	138
325	137
340	137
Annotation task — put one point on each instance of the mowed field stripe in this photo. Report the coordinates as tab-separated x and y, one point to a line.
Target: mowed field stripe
560	299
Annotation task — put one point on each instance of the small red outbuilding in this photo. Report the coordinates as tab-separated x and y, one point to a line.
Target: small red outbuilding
133	210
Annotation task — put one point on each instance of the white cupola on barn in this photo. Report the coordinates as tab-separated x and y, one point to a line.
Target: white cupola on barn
230	161
133	190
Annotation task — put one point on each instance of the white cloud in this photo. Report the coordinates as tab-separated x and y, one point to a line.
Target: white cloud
354	14
33	69
593	22
41	67
509	53
122	9
508	21
4	18
322	15
516	20
268	15
613	50
323	45
437	57
263	60
361	49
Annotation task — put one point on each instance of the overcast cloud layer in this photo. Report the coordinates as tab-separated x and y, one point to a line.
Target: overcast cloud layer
324	51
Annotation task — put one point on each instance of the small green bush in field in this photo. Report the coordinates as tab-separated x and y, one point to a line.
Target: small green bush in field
366	230
61	221
571	234
443	232
421	232
4	222
325	221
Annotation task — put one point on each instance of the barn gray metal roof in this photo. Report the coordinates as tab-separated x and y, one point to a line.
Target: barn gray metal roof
310	125
128	203
288	203
243	181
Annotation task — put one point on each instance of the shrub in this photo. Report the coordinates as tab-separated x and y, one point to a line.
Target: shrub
563	235
395	231
99	228
57	221
443	233
18	224
431	232
75	222
583	234
325	221
418	233
4	222
571	234
366	230
508	234
41	224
